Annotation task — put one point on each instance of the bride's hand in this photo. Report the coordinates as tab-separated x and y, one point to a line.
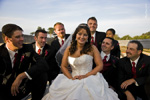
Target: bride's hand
75	77
82	76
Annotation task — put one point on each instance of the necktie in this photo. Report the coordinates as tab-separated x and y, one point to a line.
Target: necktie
39	51
92	40
104	60
62	42
133	70
15	58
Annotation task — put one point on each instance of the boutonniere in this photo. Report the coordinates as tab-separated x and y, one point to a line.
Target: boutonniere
22	57
142	67
114	61
46	52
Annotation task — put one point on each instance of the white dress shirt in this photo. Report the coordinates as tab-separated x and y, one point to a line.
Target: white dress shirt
103	55
93	37
37	48
60	40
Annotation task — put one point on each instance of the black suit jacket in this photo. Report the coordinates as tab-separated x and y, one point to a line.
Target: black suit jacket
100	36
55	46
110	74
116	51
32	63
47	54
142	69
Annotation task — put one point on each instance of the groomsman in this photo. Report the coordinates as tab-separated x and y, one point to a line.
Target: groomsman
96	37
56	44
43	49
21	70
109	62
116	51
133	71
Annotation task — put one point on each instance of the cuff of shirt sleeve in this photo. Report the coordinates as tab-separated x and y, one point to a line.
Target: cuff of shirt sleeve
30	78
136	84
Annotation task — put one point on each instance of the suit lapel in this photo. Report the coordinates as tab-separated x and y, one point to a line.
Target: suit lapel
5	55
57	44
139	64
44	50
18	60
129	66
96	37
34	47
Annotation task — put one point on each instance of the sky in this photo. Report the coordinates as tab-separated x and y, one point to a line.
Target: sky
127	17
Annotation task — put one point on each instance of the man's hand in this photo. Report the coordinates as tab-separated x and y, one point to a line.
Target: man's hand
126	83
16	84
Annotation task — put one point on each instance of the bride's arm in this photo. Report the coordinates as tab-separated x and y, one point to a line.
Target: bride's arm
97	60
64	64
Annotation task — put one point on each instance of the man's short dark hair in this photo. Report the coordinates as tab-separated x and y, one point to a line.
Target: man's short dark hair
139	45
92	18
8	29
38	31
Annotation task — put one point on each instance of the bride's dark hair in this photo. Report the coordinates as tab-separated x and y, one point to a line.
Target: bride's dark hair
87	47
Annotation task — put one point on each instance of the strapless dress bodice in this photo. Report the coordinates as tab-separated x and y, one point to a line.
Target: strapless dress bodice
81	65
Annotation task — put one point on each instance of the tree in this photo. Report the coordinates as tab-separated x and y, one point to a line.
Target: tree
50	30
136	37
38	28
126	37
32	33
116	37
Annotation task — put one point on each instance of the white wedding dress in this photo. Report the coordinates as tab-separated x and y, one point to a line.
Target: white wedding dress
93	87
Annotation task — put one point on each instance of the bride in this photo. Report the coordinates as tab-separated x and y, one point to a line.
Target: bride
84	83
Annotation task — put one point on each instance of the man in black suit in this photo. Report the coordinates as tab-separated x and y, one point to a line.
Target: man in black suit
116	50
133	71
59	29
43	49
96	37
22	71
109	62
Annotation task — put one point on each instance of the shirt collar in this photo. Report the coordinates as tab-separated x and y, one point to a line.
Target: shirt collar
60	40
37	48
136	61
94	35
11	53
103	55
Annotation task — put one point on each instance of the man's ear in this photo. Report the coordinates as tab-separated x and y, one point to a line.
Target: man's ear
7	39
112	47
55	32
35	38
139	52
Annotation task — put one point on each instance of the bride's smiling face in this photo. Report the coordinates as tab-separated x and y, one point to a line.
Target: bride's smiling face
82	36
